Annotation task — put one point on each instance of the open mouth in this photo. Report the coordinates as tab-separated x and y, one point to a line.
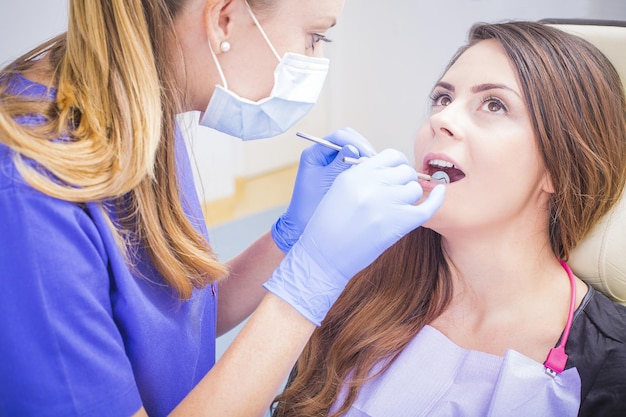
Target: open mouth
435	165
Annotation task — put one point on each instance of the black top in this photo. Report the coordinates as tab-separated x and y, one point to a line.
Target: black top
597	348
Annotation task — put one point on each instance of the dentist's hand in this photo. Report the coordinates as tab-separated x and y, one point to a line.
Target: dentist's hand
319	166
367	209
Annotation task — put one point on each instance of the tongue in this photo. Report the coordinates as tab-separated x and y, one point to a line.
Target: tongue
454	174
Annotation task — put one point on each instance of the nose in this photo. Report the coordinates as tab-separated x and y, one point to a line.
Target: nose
446	131
446	123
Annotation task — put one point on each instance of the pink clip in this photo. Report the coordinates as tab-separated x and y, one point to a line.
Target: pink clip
556	360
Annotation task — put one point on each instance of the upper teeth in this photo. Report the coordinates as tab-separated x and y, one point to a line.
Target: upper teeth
440	163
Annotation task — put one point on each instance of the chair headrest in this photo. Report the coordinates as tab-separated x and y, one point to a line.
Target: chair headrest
600	258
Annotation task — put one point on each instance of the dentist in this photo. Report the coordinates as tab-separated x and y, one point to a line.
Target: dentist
113	295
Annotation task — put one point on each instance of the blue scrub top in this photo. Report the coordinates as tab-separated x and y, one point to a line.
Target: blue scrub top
80	333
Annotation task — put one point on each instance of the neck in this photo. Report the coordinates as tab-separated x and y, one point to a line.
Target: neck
490	269
509	291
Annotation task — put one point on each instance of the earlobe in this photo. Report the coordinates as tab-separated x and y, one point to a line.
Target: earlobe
546	183
218	18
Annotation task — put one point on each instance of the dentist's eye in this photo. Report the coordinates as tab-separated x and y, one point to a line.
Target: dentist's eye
494	105
317	37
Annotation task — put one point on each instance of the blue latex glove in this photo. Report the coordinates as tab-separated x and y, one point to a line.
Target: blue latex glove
319	166
367	209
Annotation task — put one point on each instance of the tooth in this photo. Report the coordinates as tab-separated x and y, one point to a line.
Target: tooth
440	163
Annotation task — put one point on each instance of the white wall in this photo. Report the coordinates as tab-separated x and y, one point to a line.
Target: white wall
385	57
26	23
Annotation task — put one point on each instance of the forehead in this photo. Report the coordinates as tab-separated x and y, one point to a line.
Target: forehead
484	62
324	12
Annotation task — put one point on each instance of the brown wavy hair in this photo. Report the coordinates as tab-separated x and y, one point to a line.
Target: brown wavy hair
578	111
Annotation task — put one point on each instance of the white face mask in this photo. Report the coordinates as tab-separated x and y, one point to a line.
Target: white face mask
298	81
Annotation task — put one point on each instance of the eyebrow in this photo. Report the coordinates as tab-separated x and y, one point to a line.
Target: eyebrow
480	87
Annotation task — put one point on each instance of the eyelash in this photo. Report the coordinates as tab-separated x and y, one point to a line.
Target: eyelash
495	100
435	96
316	37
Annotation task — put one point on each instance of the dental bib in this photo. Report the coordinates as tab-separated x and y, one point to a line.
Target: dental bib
435	377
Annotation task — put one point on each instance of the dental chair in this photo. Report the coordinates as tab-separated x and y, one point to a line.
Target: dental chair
600	259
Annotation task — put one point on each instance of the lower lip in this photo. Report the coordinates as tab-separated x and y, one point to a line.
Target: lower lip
428	185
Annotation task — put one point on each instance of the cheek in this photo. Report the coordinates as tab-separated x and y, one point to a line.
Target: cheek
289	38
509	180
420	143
505	158
287	44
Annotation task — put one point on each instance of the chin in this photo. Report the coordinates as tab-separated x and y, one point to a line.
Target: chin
444	219
435	223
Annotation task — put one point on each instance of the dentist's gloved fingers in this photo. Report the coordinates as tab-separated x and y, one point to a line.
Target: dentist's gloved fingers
317	155
348	151
386	158
433	202
389	167
321	155
418	214
399	175
408	193
363	213
349	136
319	166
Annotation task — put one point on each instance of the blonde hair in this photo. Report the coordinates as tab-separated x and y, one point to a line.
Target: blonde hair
114	111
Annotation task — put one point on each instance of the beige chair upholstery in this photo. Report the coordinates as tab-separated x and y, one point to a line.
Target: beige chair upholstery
600	259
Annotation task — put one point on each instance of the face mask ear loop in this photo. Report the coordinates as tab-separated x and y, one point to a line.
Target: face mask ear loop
256	22
218	66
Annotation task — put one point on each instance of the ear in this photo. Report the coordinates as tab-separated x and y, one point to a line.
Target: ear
546	182
218	20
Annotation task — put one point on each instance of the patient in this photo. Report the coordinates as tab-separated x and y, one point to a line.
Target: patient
475	313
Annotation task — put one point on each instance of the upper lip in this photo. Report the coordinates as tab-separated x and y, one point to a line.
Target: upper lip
432	160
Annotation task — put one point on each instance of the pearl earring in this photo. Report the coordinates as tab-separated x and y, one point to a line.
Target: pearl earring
224	46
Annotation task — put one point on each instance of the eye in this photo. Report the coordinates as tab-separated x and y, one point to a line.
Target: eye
317	37
440	99
494	105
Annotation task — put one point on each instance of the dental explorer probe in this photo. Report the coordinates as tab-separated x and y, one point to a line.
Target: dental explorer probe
441	177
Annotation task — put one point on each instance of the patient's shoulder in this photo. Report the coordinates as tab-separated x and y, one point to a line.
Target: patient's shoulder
607	316
598	334
597	348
